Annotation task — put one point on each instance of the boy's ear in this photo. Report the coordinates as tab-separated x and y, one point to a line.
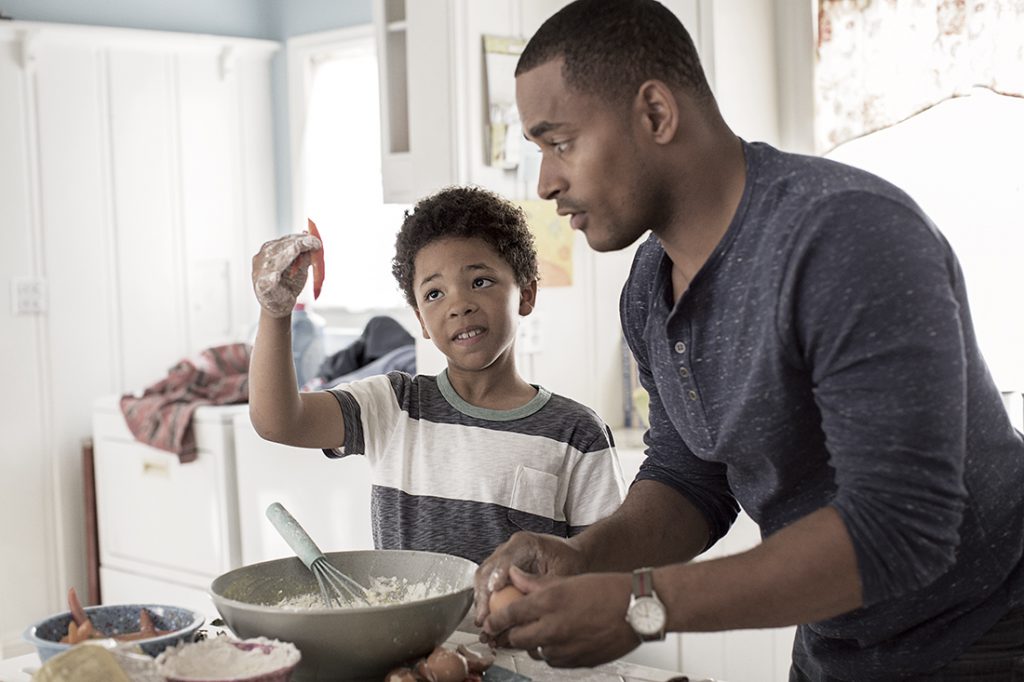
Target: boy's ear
419	317
528	298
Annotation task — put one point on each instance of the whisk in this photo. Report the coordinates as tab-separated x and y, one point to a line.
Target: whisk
336	588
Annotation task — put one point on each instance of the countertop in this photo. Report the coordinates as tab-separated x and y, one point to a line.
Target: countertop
18	669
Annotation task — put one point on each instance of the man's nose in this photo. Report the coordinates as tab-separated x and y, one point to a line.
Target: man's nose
550	183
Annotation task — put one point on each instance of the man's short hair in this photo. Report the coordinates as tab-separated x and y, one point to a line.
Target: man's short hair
610	47
465	212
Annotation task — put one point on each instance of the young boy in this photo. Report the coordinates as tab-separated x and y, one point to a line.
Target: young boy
462	460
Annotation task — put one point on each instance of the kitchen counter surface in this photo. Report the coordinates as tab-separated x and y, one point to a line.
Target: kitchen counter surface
538	671
19	668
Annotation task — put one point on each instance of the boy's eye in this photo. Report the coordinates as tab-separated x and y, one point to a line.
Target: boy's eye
480	282
432	295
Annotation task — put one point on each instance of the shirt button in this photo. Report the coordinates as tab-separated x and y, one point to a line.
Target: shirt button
680	347
692	394
683	372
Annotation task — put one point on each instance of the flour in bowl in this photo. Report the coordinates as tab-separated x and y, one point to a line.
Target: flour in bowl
382	591
220	658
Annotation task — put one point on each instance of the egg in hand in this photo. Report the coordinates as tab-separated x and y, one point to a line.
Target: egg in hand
500	599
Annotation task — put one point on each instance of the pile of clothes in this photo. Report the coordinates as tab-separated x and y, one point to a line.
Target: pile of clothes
384	346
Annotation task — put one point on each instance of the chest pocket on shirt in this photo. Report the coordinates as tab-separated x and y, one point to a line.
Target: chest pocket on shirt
533	500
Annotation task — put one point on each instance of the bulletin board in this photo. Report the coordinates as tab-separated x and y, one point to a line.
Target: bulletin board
501	54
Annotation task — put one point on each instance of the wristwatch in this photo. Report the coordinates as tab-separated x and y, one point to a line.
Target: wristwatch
646	614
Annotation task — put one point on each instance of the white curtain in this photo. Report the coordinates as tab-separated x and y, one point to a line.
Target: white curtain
882	61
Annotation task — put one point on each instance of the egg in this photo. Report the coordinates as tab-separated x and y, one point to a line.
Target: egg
400	675
477	661
500	599
447	665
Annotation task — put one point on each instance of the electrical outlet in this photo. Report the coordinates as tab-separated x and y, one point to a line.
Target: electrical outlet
28	296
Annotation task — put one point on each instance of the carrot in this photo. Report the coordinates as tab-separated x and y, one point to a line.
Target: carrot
75	606
317	260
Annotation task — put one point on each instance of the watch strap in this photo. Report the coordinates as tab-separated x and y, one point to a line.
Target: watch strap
643	591
643	582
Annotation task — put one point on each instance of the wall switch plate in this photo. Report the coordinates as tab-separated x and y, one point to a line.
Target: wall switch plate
28	296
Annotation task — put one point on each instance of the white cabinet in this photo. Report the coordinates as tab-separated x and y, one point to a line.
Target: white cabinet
329	497
136	180
432	89
415	48
166	529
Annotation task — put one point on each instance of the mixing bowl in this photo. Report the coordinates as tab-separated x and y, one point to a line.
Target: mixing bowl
352	643
116	619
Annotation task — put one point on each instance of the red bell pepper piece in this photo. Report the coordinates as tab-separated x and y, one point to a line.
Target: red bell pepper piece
317	258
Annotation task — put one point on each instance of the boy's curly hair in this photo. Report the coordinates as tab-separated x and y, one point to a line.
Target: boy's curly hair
464	212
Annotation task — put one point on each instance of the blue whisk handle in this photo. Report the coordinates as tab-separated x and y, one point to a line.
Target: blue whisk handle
294	534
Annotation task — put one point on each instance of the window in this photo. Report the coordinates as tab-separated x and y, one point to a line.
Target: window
960	160
929	96
337	172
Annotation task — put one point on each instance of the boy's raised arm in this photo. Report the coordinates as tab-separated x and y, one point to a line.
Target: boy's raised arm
278	411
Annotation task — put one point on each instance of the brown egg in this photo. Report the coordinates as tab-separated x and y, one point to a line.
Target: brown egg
447	665
400	675
477	661
503	597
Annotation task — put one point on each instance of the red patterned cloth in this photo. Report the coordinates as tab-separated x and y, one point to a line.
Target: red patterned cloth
162	415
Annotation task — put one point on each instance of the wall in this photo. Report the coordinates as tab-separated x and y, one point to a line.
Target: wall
243	18
275	19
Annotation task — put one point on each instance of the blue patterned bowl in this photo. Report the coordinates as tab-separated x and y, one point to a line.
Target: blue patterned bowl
118	619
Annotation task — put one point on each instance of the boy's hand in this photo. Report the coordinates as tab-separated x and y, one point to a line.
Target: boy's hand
279	272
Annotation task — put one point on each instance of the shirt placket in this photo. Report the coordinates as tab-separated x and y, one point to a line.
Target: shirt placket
681	343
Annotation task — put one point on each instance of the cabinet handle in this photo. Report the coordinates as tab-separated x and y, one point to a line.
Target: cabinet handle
155	468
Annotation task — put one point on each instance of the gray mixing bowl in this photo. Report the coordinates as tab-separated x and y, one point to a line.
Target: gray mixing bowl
349	643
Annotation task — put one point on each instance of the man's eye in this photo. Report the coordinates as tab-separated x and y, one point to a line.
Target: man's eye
560	147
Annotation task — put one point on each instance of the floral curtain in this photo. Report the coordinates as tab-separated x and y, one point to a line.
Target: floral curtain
882	61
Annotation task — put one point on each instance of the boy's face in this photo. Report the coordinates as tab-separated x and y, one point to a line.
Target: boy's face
591	163
468	302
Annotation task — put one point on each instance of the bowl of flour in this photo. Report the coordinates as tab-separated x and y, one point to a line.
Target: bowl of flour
222	659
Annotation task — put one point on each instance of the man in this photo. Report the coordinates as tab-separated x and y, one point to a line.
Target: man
803	331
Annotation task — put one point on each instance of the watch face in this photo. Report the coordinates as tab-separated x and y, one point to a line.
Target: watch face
647	616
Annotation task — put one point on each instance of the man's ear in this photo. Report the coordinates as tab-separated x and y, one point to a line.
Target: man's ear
659	110
528	298
419	317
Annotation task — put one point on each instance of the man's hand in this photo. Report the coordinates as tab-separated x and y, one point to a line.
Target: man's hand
567	621
279	271
536	553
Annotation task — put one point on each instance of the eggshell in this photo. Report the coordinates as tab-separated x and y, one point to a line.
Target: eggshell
477	661
447	665
503	597
400	675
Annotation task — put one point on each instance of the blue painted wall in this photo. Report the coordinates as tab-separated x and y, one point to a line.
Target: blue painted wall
299	17
268	19
245	18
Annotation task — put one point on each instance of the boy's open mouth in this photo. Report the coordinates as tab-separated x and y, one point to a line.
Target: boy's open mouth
467	334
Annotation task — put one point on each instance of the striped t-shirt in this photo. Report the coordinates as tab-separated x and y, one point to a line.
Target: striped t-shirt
454	478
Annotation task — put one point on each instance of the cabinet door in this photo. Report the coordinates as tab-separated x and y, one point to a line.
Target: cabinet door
148	240
153	510
329	497
415	57
125	587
